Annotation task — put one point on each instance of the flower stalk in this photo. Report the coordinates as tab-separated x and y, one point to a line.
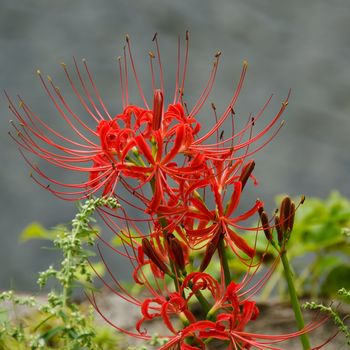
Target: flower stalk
284	227
224	262
294	300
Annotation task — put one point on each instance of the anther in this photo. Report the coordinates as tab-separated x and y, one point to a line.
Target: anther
151	54
187	35
218	54
154	36
127	38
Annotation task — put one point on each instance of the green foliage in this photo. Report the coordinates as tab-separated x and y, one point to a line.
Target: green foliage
339	322
59	323
318	238
36	231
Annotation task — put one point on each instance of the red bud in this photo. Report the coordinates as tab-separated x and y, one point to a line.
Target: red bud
153	255
246	172
157	109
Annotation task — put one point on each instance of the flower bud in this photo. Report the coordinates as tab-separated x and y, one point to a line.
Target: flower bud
176	252
287	212
211	248
265	224
246	172
158	101
279	230
154	256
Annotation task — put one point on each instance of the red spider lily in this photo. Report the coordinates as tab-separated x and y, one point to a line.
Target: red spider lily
169	164
142	143
202	224
230	310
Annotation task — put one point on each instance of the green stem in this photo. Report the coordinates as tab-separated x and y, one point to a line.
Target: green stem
295	301
224	261
203	301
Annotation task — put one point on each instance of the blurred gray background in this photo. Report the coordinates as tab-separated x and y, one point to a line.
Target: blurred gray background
302	45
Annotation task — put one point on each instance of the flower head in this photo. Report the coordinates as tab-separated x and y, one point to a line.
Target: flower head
152	143
184	179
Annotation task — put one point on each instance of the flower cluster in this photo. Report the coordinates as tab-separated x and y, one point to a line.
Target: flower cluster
185	180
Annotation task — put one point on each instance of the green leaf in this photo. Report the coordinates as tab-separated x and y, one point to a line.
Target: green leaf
52	332
35	231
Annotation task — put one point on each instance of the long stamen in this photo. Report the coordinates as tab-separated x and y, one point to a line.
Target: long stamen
121	81
127	38
161	76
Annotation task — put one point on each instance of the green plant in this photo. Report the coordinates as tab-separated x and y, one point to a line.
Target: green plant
59	322
319	249
337	319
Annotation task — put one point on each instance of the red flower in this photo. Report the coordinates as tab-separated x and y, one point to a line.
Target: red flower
160	146
230	311
169	163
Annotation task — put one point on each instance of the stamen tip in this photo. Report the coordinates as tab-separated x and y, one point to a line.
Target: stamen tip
245	63
218	54
83	60
154	36
63	65
127	38
38	72
151	54
49	78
